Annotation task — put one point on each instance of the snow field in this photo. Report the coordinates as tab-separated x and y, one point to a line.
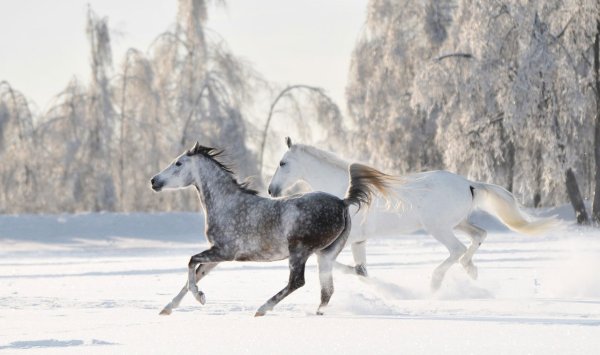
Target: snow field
100	291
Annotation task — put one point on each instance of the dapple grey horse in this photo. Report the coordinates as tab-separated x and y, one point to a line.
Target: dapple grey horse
242	226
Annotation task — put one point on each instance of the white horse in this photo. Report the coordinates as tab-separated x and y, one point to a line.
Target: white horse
437	201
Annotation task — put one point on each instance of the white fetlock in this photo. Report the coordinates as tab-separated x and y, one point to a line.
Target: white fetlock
436	282
469	267
321	310
199	296
471	271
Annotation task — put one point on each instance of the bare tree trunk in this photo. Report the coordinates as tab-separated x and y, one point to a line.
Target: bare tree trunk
575	198
596	206
537	196
510	161
122	136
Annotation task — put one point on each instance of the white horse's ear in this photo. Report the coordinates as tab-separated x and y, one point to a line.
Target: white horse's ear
288	142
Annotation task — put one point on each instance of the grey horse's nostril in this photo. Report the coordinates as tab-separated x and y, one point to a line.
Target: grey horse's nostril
152	181
269	191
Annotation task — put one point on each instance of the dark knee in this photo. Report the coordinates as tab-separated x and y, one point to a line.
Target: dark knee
297	283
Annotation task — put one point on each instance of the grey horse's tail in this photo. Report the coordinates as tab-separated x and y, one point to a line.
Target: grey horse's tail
364	183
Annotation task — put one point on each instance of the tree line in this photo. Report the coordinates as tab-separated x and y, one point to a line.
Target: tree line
500	91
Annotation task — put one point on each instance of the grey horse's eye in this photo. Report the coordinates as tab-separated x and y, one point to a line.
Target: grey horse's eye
178	163
282	163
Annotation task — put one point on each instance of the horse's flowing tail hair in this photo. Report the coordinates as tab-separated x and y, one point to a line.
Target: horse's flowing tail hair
364	183
500	203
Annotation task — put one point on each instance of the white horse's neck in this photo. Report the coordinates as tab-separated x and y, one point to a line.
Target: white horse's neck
325	176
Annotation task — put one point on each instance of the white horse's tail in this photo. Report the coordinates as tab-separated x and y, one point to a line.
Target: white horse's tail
500	203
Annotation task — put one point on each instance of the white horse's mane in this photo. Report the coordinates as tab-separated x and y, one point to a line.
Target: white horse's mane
322	155
404	189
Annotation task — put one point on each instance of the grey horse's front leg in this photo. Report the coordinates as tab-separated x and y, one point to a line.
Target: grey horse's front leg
211	256
201	271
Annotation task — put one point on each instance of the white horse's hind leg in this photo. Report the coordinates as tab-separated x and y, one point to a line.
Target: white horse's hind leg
477	236
456	249
346	269
202	271
359	252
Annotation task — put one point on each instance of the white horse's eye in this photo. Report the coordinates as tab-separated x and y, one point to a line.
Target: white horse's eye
282	163
178	163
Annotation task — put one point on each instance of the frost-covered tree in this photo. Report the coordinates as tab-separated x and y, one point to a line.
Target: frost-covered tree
456	90
202	89
399	36
308	115
503	87
65	161
99	118
98	144
17	170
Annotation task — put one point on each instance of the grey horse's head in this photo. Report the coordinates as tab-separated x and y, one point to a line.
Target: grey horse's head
180	173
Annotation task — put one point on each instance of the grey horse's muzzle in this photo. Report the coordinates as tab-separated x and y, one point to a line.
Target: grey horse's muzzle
157	185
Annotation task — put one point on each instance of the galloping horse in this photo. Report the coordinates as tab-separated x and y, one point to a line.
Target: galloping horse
436	201
242	226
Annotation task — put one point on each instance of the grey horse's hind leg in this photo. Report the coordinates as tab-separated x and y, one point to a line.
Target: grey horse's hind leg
201	271
297	262
325	259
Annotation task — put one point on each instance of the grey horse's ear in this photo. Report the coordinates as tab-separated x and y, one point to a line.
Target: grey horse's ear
195	148
288	142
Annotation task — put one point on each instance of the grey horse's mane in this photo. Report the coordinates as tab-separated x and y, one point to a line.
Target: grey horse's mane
322	155
214	154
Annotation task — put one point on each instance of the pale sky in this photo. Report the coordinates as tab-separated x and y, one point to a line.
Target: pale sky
43	44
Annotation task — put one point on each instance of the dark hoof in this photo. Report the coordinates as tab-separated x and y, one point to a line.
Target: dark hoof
165	312
361	270
319	313
259	313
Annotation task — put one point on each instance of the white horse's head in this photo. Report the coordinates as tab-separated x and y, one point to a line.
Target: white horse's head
289	172
179	174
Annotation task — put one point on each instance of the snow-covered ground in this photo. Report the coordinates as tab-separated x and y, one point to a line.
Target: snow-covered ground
94	283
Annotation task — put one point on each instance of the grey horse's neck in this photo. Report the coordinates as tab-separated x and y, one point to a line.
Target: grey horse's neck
217	189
